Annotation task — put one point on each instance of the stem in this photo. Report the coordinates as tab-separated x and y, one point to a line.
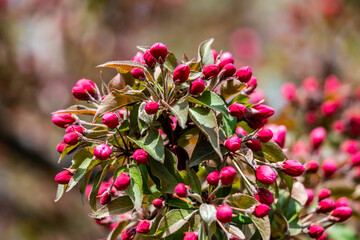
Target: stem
247	183
215	190
92	124
222	227
165	82
239	209
122	138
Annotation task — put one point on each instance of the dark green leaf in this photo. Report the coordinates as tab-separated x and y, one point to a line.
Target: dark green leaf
167	180
279	225
98	179
135	190
117	231
117	206
173	221
180	111
194	180
204	151
143	117
272	152
170	62
205	53
263	225
211	100
242	200
229	125
152	143
178	203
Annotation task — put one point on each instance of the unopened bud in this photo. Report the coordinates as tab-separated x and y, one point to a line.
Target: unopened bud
224	213
151	107
158	203
140	156
341	214
138	73
326	205
227	175
111	120
143	227
324	193
83	88
191	236
159	51
63	119
329	166
211	71
71	138
265	174
311	166
233	144
181	190
291	167
181	73
265	135
315	231
244	74
261	210
102	151
64	177
197	86
122	182
237	110
264	196
213	178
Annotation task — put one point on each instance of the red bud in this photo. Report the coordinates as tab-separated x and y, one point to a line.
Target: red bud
329	166
83	88
326	205
151	107
191	236
140	156
291	167
227	175
317	137
244	74
213	178
315	231
111	120
254	145
62	119
310	195
311	166
138	73
181	73
324	193
265	174
197	86
341	214
158	203
122	182
128	234
211	71
105	198
288	91
261	210
60	147
225	58
71	138
224	213
102	151
237	110
265	135
63	177
143	227
149	59
233	144
264	196
181	190
159	51
228	70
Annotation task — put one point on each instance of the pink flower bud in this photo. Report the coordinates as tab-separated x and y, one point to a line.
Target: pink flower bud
103	221
244	74
102	151
143	227
60	147
350	146
264	196
261	210
355	159
111	120
139	57
288	91
71	138
315	231
339	126
342	202
122	181
227	175
311	166
149	59
310	195
263	111
74	128
265	135
62	119
279	134
332	85
181	73
323	236
140	156
256	123
103	188
105	198
233	144
251	85
265	174
181	190
159	51
83	88
128	234
191	236
317	137
211	71
214	54
324	193
237	110
329	107
341	214
224	213
291	167
213	178
138	73
228	70
173	123
310	84
254	145
329	166
241	131
197	86
151	107
225	58
325	205
158	203
64	177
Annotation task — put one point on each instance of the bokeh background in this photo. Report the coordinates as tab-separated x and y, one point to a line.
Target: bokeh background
47	45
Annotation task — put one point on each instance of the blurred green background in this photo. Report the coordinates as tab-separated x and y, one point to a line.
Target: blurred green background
47	45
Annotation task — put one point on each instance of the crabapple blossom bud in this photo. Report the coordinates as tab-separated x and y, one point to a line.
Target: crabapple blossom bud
139	57
74	128
60	147
213	178
233	143
261	210
317	137
128	234
181	73
137	73
151	107
225	58
181	190
62	119
264	196
71	138
224	213
211	71
342	202
191	236
256	123
122	181
324	193
350	146
355	159
329	166
197	86
339	126
291	167
102	151
340	214
140	156
315	231
158	203
111	120
265	174
310	84
228	70
105	198
214	54
263	111
237	110
279	134
227	175
265	135
310	196
244	74
311	166
83	88
241	131
149	59
251	85
325	205
329	107
288	91
254	145
143	227
256	96
323	236
159	51
64	177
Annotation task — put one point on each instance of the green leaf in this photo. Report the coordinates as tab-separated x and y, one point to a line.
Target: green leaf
170	62
135	190
207	213
98	179
343	232
84	182
117	206
211	100
205	53
152	143
241	219
128	78
167	180
231	88
194	180
81	156
83	168
272	152
204	151
178	203
60	191
240	98
279	225
117	231
143	117
144	176
236	232
173	221
180	111
229	125
78	109
263	225
242	200
299	193
205	120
